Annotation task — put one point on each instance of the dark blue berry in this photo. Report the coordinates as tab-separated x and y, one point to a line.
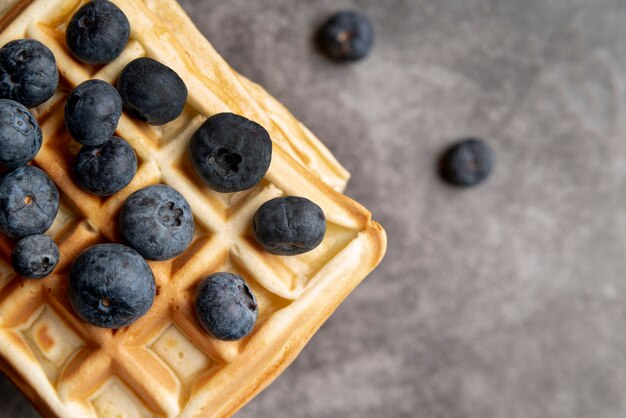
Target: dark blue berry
346	36
111	285
98	32
35	256
230	153
28	72
225	306
467	163
20	136
107	168
29	202
92	112
157	222
151	91
289	225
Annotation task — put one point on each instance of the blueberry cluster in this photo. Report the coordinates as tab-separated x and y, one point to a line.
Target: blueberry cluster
147	89
232	153
111	285
105	164
225	305
29	199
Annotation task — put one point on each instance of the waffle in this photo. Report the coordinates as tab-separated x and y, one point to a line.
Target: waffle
165	364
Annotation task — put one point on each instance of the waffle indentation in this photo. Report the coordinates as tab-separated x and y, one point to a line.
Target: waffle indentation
116	399
52	341
181	355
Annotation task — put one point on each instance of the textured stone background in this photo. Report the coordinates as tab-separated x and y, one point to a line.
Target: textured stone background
502	301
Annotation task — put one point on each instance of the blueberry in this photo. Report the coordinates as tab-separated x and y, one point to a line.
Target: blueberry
346	36
289	225
467	163
98	32
92	112
230	153
20	136
151	91
111	285
28	72
106	169
29	202
35	256
157	222
225	306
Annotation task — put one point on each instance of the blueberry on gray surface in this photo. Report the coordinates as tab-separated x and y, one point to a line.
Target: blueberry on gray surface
346	36
92	112
225	306
35	256
98	32
29	202
157	222
151	91
111	285
105	169
230	153
467	162
20	135
28	72
289	225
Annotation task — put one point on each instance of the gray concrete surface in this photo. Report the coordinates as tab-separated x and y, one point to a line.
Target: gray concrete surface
507	300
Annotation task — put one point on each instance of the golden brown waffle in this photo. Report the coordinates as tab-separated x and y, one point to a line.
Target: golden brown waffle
165	364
